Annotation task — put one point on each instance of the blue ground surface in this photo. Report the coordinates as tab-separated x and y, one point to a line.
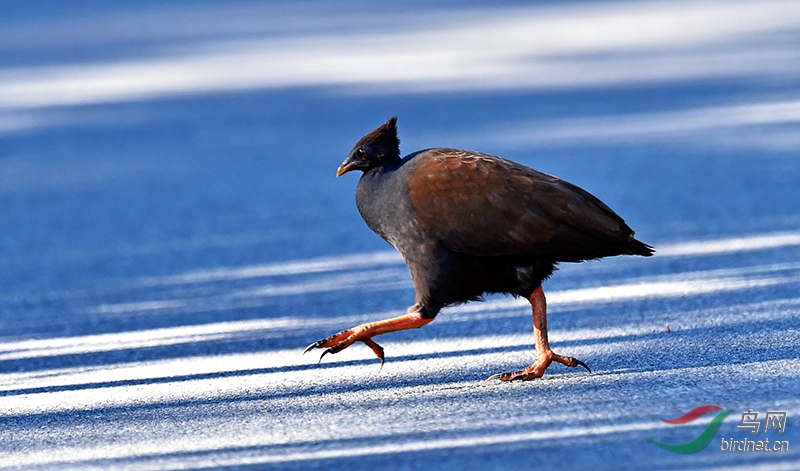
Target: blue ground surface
166	257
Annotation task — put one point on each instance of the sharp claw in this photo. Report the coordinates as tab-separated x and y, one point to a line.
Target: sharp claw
497	376
377	349
336	348
327	351
583	364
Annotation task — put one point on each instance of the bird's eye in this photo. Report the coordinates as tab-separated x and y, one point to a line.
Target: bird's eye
362	154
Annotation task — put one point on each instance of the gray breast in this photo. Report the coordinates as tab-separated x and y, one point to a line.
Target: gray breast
382	199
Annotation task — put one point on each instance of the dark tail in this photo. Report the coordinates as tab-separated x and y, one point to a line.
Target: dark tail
635	247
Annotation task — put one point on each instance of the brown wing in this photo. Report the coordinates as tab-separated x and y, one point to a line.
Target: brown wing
485	205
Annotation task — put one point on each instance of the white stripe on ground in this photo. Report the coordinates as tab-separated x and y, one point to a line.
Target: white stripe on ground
595	129
387	258
205	389
572	46
317	265
624	338
731	245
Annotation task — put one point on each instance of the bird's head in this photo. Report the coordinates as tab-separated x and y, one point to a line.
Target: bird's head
377	149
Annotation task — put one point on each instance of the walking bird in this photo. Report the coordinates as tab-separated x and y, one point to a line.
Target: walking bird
468	224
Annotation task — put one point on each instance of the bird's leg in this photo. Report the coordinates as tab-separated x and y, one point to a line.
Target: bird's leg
544	354
364	333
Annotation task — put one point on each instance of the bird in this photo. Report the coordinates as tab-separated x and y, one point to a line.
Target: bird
468	224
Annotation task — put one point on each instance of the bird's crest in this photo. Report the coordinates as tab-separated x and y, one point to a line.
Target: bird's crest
383	140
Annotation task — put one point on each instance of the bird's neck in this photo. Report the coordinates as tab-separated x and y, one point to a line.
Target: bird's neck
390	161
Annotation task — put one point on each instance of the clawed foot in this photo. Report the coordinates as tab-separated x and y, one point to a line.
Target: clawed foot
364	333
537	369
338	342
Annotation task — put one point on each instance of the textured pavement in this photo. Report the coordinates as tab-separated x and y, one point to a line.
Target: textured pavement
169	245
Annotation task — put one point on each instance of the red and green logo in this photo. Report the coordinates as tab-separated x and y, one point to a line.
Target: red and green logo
704	438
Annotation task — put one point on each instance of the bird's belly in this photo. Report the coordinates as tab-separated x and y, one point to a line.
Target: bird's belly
457	278
510	275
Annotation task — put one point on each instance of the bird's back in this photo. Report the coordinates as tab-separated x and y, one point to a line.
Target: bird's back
487	206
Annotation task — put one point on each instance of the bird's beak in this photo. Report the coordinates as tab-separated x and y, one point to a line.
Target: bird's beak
347	165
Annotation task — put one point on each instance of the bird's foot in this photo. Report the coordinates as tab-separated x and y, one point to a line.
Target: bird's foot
364	333
537	369
338	342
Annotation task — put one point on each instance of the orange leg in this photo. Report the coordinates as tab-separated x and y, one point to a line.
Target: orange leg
544	354
364	333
